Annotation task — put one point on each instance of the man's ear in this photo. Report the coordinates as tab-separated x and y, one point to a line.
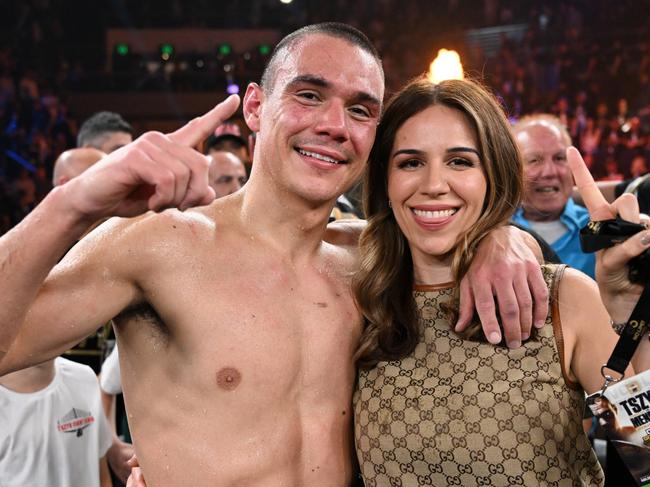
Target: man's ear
252	106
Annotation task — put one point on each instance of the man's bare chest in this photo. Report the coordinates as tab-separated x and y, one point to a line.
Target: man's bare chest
260	321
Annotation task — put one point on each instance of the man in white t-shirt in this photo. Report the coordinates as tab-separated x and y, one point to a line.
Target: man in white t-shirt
109	377
53	431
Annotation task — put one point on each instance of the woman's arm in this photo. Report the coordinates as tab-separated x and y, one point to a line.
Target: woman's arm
588	336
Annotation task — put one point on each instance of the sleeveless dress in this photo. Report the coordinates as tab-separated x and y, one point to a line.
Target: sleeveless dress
460	412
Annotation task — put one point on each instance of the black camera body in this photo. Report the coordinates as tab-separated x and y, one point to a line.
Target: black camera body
603	234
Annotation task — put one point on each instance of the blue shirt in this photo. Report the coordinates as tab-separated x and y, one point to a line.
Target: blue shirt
567	247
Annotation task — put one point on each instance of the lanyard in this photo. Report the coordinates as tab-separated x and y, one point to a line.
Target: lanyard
631	336
602	234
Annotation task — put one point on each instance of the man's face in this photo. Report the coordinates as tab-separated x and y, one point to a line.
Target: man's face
113	141
317	120
548	180
226	174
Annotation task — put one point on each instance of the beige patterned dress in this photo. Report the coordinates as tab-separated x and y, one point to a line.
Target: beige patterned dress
459	412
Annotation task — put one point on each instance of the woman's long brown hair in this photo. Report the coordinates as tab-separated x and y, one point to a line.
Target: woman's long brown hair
384	285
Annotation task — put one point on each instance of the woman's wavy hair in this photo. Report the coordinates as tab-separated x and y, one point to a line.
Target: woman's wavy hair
384	285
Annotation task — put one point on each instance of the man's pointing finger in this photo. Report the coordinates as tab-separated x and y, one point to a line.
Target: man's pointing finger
199	128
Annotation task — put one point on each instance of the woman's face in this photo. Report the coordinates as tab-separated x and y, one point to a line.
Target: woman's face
436	183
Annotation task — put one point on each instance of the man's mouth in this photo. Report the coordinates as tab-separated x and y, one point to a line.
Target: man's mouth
319	156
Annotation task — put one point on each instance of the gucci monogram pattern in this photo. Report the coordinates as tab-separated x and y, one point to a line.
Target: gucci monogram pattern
459	412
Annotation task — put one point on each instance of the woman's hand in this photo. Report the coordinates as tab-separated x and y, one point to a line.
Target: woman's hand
619	295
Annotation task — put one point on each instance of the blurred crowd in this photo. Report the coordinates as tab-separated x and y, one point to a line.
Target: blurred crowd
588	62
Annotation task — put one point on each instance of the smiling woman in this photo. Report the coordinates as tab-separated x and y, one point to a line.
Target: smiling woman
434	407
436	185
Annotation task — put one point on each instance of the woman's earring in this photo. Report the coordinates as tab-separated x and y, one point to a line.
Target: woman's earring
390	204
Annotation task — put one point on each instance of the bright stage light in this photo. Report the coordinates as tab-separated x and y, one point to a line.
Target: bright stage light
446	65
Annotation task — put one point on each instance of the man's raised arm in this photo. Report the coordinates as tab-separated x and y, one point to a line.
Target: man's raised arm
154	172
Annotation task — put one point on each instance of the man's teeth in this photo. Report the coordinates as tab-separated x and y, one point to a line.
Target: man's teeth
321	157
434	214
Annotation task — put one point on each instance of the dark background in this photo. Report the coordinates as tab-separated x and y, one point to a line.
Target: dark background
586	61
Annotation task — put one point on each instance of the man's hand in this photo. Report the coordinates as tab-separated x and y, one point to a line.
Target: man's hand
154	172
504	267
118	456
619	295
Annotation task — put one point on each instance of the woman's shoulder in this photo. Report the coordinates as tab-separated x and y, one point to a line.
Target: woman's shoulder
580	306
575	282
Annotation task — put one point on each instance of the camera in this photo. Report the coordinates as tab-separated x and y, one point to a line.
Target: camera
603	234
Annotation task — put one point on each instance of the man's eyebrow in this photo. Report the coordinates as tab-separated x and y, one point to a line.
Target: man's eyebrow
367	98
320	82
309	80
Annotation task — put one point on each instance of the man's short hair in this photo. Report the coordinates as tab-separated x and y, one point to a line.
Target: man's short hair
99	125
217	142
333	29
542	119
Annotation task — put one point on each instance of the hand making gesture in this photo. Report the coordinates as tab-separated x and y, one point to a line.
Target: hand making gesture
618	294
154	172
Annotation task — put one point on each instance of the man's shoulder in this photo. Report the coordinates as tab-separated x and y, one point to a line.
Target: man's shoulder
68	370
151	233
155	225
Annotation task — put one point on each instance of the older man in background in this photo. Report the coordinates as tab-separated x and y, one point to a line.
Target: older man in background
547	207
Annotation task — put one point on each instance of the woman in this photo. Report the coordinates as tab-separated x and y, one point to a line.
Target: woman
433	407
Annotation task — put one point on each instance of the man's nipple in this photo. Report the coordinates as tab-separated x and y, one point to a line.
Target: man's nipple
228	378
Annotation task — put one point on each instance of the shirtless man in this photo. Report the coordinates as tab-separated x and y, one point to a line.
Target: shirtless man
235	321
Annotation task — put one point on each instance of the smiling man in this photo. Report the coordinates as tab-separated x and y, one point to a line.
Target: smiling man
547	206
235	321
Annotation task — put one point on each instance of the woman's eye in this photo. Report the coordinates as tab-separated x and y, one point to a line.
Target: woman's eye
459	161
409	164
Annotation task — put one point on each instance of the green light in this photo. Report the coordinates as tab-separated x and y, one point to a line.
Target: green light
265	49
225	49
166	50
122	49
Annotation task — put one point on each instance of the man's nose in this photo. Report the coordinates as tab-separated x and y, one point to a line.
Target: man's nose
333	121
547	169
